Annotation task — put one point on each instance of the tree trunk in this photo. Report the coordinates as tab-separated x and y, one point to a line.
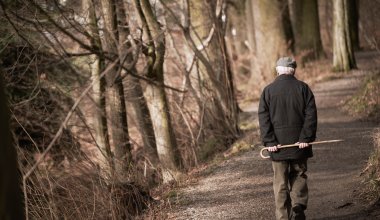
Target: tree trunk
144	121
250	23
134	90
115	96
165	140
354	23
100	115
97	66
119	128
305	20
11	204
156	97
273	38
343	54
215	78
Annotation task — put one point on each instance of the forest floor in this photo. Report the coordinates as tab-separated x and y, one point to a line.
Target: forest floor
240	187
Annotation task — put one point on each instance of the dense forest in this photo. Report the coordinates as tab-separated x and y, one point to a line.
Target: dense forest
104	100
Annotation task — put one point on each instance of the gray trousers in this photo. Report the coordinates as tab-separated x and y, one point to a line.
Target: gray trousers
290	186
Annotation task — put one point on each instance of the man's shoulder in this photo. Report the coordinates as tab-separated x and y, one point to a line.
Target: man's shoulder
302	83
268	86
275	84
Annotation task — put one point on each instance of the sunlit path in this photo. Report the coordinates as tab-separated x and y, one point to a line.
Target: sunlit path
241	187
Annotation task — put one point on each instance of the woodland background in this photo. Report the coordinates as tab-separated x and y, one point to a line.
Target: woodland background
109	99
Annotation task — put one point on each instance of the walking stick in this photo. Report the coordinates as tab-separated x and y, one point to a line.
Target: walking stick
296	145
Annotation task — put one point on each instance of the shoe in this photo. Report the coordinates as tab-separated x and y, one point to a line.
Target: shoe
297	213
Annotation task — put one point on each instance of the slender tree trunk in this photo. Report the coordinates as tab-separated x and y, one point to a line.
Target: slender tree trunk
115	96
156	96
305	20
134	90
119	129
250	23
11	204
273	38
100	116
97	66
343	57
216	83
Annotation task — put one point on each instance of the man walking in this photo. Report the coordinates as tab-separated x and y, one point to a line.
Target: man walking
288	115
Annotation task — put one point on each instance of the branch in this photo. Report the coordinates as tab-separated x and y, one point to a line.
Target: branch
13	25
91	49
63	30
194	47
64	123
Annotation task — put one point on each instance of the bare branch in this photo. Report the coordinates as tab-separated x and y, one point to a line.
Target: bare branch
64	123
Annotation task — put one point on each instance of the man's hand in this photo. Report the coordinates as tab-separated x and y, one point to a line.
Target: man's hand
303	145
274	148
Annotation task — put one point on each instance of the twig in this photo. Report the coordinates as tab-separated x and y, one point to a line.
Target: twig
191	133
68	116
81	117
201	125
13	25
58	134
59	27
23	128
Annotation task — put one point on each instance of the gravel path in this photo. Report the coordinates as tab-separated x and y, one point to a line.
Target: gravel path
241	187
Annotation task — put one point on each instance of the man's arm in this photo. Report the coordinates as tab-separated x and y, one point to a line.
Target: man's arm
266	127
309	130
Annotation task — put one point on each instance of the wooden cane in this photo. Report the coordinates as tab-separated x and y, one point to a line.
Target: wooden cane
296	145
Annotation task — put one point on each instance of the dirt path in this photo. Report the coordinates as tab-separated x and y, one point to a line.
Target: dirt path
241	187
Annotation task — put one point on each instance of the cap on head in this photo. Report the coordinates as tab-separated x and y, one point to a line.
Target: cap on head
286	62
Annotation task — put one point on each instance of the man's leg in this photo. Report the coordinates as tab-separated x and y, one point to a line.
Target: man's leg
298	187
281	189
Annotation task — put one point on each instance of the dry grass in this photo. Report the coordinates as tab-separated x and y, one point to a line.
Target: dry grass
372	171
366	106
78	191
366	103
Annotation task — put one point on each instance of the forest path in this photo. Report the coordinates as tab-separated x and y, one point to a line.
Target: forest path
241	187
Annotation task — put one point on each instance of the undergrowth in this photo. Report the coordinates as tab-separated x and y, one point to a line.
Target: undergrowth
372	171
366	103
79	191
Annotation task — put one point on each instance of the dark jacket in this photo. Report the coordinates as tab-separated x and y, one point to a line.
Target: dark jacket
287	114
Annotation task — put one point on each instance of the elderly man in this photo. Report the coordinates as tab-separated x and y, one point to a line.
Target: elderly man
288	115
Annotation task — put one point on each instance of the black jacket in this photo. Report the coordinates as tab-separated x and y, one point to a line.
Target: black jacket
287	114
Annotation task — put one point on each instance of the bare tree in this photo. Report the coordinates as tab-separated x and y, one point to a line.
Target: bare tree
115	94
97	66
134	90
215	84
343	53
155	93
